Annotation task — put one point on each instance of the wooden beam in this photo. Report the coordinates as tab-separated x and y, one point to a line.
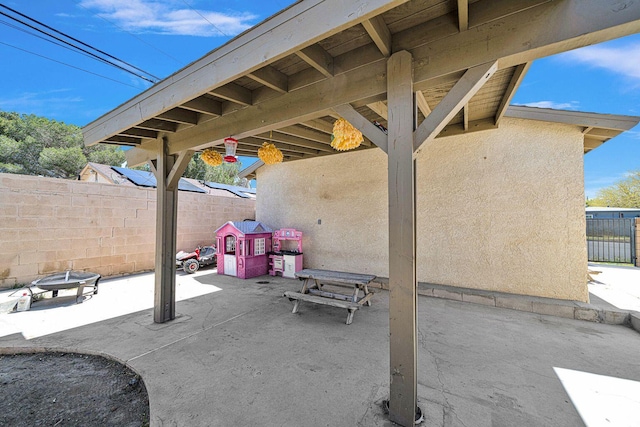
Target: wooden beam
402	243
158	125
294	140
518	75
379	33
473	126
166	226
422	103
523	36
458	96
180	165
380	108
271	78
257	142
319	125
141	154
204	105
234	93
463	15
306	133
125	140
318	58
301	24
141	133
367	128
179	115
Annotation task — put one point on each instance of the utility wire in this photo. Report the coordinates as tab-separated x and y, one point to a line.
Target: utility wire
68	65
133	35
212	24
15	27
95	56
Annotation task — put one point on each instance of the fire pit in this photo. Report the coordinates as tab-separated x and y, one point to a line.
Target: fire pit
68	280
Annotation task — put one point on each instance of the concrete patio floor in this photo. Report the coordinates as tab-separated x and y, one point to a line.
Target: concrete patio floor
236	356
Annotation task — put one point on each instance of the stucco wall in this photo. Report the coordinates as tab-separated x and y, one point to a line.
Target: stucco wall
500	210
51	225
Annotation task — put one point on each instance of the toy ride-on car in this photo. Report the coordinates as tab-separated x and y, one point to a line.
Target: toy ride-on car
191	262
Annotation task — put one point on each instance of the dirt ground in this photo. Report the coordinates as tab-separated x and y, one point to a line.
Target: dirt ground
64	389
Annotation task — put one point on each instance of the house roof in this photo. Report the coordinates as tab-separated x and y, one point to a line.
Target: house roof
288	78
597	128
107	173
248	227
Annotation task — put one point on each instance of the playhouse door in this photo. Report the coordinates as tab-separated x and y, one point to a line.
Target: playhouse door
230	265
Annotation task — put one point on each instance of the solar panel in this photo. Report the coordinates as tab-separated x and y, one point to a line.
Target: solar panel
238	191
147	179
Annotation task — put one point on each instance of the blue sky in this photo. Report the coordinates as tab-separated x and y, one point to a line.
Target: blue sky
162	36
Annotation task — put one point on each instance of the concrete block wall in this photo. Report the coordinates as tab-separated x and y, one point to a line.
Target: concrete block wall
50	225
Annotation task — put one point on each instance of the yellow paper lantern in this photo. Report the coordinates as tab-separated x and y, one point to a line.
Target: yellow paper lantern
345	136
211	157
270	154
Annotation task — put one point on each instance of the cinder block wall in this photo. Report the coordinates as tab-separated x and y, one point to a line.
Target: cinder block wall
50	225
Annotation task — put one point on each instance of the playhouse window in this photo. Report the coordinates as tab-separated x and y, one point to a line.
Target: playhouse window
258	247
230	244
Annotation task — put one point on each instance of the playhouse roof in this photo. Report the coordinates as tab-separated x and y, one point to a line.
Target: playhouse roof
248	227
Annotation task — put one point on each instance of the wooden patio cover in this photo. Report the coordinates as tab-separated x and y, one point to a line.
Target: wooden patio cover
422	68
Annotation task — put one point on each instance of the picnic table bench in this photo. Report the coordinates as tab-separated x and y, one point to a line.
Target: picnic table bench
313	290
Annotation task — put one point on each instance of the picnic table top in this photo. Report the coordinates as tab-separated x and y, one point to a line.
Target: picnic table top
335	276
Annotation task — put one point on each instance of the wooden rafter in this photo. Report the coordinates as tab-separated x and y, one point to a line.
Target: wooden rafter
458	96
379	33
463	15
318	58
518	75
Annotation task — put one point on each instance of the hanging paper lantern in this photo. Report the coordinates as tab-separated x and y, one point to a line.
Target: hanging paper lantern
230	145
345	136
211	157
270	154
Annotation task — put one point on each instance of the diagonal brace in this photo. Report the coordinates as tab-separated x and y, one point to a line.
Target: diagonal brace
470	83
367	128
180	165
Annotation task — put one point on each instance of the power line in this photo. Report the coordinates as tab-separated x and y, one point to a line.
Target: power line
153	78
68	65
212	24
133	35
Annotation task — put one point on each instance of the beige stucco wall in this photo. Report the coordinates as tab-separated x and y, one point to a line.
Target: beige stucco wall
50	225
499	210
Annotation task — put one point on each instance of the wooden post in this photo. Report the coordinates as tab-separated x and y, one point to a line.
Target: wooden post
402	236
168	169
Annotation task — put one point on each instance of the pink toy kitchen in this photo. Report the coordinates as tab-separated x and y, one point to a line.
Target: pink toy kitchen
286	258
243	248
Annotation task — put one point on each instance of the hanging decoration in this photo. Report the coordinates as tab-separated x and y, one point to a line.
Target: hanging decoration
270	154
211	157
345	136
230	145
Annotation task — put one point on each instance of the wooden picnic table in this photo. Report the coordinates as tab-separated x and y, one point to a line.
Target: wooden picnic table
313	290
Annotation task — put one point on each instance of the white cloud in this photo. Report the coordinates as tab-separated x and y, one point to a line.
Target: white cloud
571	105
623	60
47	104
169	17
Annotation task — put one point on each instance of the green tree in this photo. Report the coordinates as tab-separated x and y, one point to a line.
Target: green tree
106	155
623	194
226	173
62	162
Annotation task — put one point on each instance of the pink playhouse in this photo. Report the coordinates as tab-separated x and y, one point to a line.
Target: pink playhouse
243	248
